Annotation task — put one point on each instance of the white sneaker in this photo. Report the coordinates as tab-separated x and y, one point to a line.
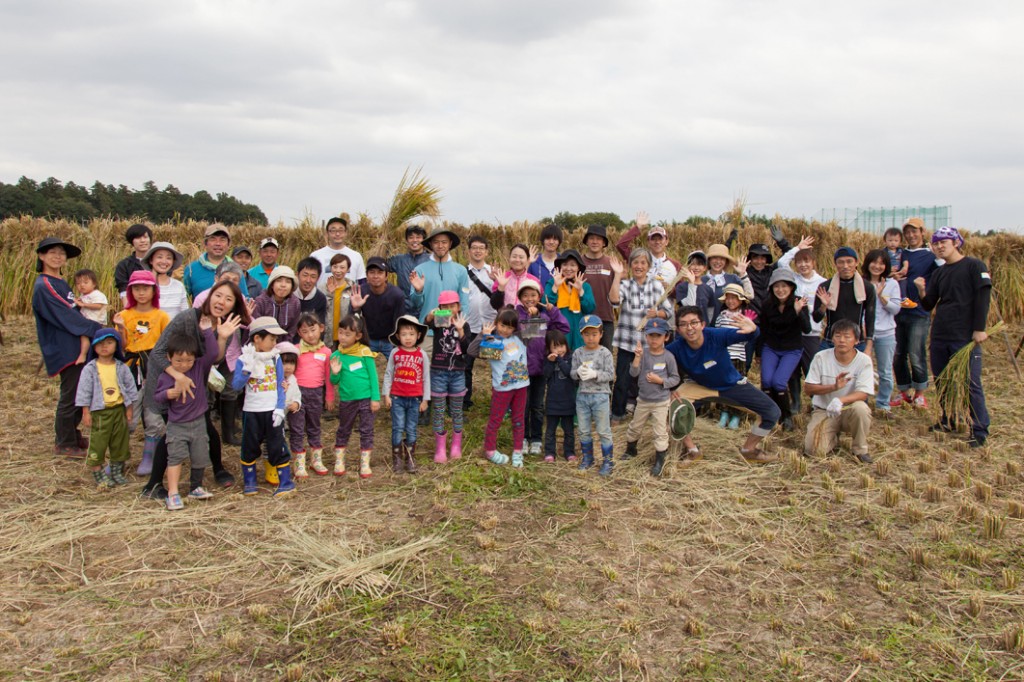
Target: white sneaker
535	448
200	493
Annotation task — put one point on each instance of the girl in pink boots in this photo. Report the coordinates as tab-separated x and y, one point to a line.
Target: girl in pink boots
448	372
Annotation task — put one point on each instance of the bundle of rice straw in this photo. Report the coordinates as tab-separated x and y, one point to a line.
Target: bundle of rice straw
954	384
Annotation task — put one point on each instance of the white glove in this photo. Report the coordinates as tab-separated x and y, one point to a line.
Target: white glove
278	418
586	373
835	407
248	357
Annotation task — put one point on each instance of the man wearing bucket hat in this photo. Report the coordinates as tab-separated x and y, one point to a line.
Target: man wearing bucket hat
162	259
663	267
269	250
64	336
439	273
140	237
336	231
704	356
959	292
201	273
604	275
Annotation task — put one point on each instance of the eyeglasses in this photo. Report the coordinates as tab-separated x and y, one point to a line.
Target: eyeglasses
690	325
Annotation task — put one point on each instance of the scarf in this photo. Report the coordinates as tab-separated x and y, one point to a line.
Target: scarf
357	350
859	293
569	298
259	361
310	348
205	262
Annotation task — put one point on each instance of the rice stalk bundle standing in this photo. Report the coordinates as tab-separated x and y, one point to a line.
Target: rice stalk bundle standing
953	385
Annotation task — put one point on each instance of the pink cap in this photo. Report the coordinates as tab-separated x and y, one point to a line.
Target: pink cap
447	297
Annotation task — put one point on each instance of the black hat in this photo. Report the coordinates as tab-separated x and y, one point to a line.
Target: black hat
442	231
241	249
49	242
343	219
377	262
600	230
760	250
570	254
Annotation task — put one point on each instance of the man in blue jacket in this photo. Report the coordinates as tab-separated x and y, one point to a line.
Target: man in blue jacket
201	273
64	337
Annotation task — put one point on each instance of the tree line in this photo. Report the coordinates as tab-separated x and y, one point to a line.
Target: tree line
54	199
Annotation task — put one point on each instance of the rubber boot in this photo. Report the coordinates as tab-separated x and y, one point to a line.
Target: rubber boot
659	462
397	458
607	463
364	464
228	419
148	450
270	473
117	473
785	405
587	460
339	461
794	392
102	479
285	484
440	445
410	459
630	450
723	421
249	486
316	462
456	451
300	464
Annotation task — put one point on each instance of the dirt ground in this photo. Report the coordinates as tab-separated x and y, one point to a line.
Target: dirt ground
805	569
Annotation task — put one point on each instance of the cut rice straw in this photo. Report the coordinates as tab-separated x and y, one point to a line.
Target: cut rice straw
954	384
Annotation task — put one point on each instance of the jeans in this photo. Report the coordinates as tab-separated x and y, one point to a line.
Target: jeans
535	409
911	345
620	393
405	412
593	410
885	348
777	366
942	352
748	396
382	346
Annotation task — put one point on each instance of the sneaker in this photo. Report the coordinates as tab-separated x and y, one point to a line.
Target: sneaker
498	458
174	502
549	458
865	458
907	303
691	455
975	442
572	459
517	459
757	456
536	448
899	399
157	492
72	451
200	493
939	427
919	401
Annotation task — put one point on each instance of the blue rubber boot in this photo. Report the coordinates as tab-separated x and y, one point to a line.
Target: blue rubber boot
249	479
587	461
723	421
606	461
285	485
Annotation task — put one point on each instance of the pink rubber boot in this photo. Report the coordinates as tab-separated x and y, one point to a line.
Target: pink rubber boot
456	445
441	441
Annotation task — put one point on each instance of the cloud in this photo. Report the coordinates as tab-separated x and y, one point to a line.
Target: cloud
518	110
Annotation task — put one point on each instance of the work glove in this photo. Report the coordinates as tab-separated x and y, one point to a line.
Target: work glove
776	232
835	407
586	373
248	357
278	417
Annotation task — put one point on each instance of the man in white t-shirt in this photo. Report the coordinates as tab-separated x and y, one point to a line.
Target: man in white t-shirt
337	229
840	381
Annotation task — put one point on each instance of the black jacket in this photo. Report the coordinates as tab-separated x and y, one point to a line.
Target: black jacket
561	387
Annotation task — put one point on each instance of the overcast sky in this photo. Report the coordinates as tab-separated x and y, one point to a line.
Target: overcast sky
518	110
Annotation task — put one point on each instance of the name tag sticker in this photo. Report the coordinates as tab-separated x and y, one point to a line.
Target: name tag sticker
511	347
985	275
355	366
606	273
658	366
709	364
319	357
465	290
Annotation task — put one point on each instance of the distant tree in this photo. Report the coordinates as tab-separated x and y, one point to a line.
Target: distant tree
571	222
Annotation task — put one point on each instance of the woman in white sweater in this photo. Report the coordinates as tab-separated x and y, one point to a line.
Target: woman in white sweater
876	270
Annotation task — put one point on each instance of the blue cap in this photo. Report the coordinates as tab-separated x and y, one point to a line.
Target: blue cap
844	251
106	333
656	325
591	322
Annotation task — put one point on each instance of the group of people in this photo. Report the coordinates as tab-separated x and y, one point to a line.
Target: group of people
574	339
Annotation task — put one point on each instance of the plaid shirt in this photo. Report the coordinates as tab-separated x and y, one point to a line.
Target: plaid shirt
634	301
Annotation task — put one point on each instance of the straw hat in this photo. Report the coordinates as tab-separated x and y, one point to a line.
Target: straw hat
734	289
720	251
